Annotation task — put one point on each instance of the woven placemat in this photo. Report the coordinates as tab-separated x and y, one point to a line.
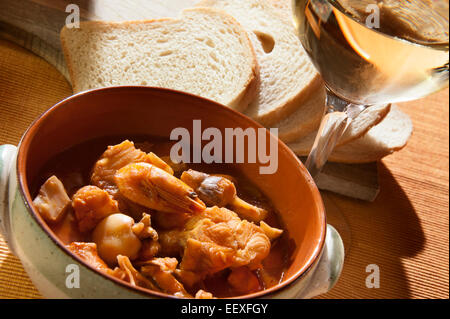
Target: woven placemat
14	282
22	75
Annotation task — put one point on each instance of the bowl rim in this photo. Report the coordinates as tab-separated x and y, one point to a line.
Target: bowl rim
26	196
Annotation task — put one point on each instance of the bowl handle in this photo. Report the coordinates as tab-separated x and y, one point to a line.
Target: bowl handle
7	160
329	268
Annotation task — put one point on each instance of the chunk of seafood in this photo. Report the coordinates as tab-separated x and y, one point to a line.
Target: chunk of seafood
91	204
88	252
271	232
143	229
201	294
213	190
217	239
52	200
206	258
220	191
114	236
161	271
243	280
247	210
149	237
154	188
132	275
118	156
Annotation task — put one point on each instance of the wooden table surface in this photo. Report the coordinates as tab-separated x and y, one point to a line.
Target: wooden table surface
405	231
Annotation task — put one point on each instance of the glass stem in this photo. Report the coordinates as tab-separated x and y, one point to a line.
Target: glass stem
332	127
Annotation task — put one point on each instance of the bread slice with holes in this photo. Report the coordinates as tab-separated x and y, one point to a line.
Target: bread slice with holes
390	135
288	77
304	120
204	52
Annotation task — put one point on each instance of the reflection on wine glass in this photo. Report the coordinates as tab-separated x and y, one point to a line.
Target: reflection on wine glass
371	52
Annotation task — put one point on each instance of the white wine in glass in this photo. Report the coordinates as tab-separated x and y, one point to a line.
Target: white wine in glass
371	52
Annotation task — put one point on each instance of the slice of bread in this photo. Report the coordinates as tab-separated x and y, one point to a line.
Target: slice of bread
364	122
205	52
288	77
304	120
357	128
391	134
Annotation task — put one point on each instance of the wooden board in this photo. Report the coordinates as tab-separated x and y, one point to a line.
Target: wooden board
35	25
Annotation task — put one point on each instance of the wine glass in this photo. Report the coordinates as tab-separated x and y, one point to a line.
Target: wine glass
371	52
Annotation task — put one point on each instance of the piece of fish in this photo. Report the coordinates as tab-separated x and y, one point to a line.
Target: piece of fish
52	200
91	204
217	239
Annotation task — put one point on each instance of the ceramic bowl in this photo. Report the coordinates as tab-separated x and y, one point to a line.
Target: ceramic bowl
318	255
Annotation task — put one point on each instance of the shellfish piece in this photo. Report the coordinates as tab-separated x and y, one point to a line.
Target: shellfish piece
217	190
118	156
161	271
154	188
114	236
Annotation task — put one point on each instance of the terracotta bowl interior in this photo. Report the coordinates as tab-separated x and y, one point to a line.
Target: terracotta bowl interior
131	111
